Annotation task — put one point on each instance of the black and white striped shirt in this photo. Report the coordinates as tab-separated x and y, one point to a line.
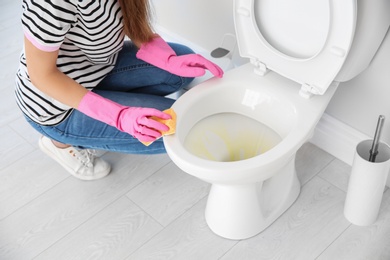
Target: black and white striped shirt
88	35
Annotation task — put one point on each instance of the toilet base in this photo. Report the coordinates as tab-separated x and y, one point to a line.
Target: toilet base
242	211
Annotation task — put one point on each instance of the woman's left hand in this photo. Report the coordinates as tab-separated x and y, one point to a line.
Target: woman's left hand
158	53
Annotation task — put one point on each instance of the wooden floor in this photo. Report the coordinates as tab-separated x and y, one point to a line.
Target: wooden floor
149	209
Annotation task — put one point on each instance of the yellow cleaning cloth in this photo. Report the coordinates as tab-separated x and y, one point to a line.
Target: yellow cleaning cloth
171	123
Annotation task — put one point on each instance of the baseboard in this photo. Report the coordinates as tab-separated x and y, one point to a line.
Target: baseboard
338	139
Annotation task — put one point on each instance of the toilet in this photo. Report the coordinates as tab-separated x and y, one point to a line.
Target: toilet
241	133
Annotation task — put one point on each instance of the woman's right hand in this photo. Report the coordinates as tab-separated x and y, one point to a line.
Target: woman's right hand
135	121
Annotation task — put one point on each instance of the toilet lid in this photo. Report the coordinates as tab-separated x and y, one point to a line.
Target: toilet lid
304	40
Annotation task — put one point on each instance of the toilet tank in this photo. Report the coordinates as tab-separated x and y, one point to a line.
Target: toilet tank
372	24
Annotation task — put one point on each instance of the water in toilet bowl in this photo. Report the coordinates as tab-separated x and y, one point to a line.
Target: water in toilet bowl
227	137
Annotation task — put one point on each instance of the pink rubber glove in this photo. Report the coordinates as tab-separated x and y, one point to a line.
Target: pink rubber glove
132	120
158	53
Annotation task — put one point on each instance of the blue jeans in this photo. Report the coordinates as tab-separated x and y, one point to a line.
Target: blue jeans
132	82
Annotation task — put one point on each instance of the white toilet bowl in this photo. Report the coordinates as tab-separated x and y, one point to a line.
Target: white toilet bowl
242	138
241	133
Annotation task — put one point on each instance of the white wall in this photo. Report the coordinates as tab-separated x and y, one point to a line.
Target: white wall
203	22
357	103
360	101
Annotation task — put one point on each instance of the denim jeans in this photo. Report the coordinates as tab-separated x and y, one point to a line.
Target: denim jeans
132	82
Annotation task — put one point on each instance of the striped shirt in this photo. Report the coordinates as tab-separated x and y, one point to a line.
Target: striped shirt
88	35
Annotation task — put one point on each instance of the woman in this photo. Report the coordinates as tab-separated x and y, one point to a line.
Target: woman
83	87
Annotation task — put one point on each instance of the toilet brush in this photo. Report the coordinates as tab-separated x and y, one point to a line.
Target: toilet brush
368	178
375	143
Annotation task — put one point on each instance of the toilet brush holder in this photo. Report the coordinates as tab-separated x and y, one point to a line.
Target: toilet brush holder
366	184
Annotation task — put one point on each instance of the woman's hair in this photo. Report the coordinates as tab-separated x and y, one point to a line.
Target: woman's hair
136	20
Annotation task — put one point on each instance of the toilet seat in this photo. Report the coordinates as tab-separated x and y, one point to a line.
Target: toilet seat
314	73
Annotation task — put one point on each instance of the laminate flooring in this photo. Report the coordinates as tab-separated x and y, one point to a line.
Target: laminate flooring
147	208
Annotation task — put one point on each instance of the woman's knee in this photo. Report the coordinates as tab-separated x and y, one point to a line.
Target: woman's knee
181	49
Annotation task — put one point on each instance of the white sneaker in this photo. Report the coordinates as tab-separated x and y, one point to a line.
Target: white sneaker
82	164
